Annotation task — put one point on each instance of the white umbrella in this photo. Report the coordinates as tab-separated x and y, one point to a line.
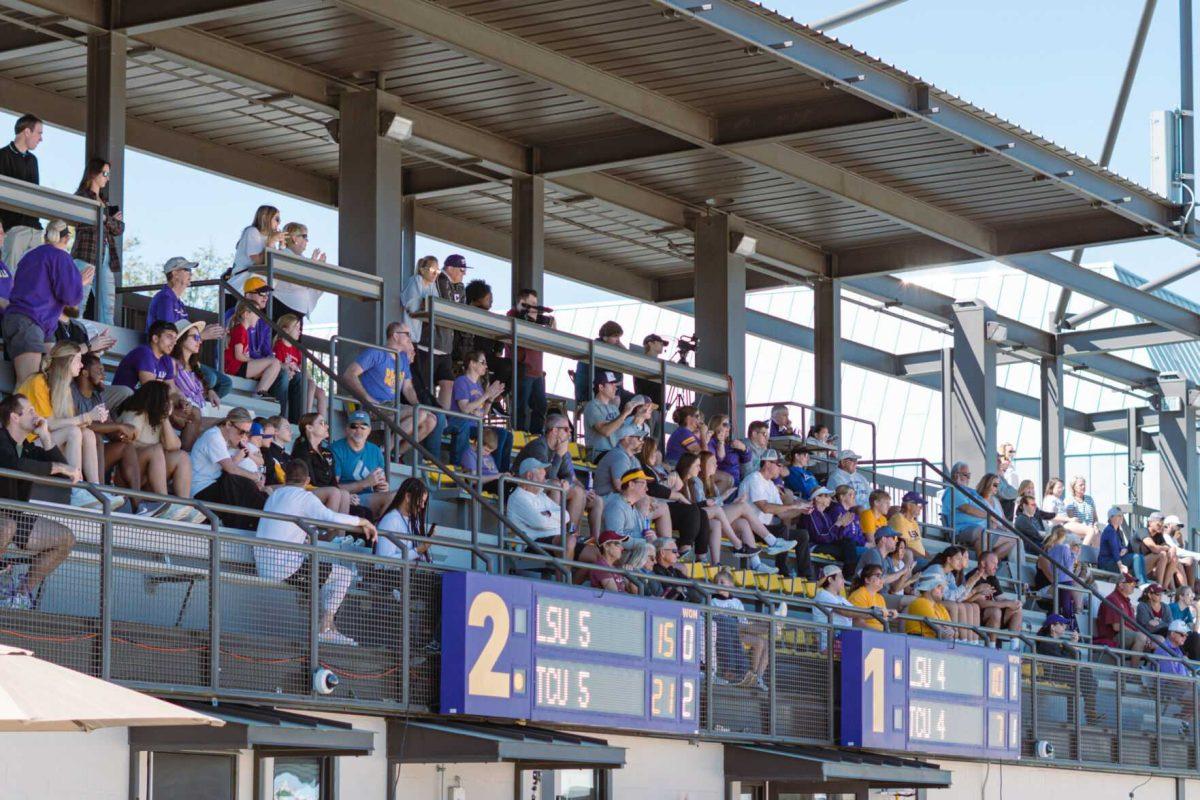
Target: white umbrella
36	695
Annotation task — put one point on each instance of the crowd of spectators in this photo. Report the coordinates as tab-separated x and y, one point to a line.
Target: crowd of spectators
773	502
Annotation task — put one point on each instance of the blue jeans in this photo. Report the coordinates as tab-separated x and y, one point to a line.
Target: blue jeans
433	442
290	394
219	381
531	405
105	288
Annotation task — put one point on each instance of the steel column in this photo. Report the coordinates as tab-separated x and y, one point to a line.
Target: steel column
969	389
720	286
408	236
1053	418
1187	132
369	206
1179	485
104	127
827	351
1133	438
528	239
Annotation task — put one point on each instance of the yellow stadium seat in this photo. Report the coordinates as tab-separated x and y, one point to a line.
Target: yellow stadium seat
769	583
744	578
520	439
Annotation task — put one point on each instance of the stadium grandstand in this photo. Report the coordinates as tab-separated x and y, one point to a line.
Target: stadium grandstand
811	511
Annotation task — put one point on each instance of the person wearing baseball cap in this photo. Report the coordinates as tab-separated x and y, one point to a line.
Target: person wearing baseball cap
1169	650
1112	628
798	479
1054	634
603	416
780	516
831	586
906	522
610	544
930	587
534	512
653	346
1185	559
586	379
616	462
1153	613
167	305
621	508
451	285
360	466
1116	547
846	473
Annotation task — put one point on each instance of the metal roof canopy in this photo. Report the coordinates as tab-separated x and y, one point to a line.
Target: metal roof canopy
267	731
413	741
643	114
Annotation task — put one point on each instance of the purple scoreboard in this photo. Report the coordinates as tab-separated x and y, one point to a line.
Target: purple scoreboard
522	649
928	696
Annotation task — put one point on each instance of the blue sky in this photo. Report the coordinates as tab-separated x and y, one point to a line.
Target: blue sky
1052	67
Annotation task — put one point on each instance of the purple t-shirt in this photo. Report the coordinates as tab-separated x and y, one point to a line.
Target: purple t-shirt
464	389
46	281
142	359
471	464
166	306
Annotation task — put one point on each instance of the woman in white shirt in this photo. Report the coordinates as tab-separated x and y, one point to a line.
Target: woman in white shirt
404	518
1053	503
289	297
252	246
293	566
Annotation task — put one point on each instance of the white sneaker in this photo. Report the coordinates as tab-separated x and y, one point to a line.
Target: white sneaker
766	569
84	499
336	637
780	546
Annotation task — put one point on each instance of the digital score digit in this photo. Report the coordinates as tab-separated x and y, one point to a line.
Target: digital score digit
687	705
665	639
947	723
662	696
935	671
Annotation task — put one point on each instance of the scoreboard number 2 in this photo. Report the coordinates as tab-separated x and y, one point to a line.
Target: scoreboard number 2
483	680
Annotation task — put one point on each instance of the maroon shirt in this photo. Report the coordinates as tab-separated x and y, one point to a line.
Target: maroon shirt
1109	620
530	360
598	576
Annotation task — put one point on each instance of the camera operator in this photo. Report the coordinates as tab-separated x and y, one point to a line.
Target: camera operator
653	345
530	396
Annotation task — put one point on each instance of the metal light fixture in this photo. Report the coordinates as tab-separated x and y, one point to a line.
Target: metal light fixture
399	129
742	245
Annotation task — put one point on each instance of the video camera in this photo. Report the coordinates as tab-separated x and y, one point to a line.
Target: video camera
539	315
685	346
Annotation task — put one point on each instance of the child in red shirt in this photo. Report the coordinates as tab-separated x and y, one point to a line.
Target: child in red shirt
288	356
237	352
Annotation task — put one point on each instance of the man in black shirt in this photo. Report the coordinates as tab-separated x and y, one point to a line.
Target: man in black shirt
18	161
653	344
450	287
49	542
666	556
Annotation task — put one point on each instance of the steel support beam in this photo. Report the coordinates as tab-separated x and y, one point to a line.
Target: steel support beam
528	236
138	16
827	351
1053	419
1121	337
498	244
970	402
1141	304
60	110
1114	128
853	14
104	134
720	287
816	56
369	211
1179	483
1134	449
1149	286
1187	105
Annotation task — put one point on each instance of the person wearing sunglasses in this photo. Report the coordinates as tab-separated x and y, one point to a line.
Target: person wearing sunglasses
216	476
553	448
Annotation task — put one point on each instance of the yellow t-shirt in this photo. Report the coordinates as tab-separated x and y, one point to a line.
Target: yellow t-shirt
924	607
862	598
911	532
37	391
871	521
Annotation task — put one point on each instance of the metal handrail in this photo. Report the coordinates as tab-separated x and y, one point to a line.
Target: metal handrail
827	412
44	202
380	413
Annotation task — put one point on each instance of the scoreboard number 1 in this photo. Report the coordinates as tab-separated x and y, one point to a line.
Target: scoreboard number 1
873	672
483	680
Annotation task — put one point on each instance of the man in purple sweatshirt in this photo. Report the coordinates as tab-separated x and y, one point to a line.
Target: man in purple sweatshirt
46	281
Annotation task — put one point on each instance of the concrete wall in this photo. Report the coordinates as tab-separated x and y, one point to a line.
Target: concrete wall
424	782
668	769
39	766
1044	782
